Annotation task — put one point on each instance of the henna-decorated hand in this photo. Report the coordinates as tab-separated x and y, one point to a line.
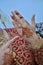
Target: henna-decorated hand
25	29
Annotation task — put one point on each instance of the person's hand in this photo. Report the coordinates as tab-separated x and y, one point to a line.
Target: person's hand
19	22
24	28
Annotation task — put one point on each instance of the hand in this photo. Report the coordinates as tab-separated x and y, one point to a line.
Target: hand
28	30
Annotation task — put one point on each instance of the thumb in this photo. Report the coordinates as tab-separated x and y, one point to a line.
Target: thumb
33	21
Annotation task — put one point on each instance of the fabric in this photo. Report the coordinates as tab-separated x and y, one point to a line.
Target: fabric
4	37
23	52
36	53
12	32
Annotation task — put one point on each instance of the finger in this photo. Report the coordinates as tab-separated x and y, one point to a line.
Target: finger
23	22
19	19
2	21
16	21
33	22
18	14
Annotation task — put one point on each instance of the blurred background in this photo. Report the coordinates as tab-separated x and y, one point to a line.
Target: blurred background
26	7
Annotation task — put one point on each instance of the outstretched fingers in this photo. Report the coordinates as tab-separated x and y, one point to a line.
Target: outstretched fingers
19	19
16	20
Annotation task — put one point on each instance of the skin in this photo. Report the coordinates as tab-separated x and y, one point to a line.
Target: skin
25	28
20	22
